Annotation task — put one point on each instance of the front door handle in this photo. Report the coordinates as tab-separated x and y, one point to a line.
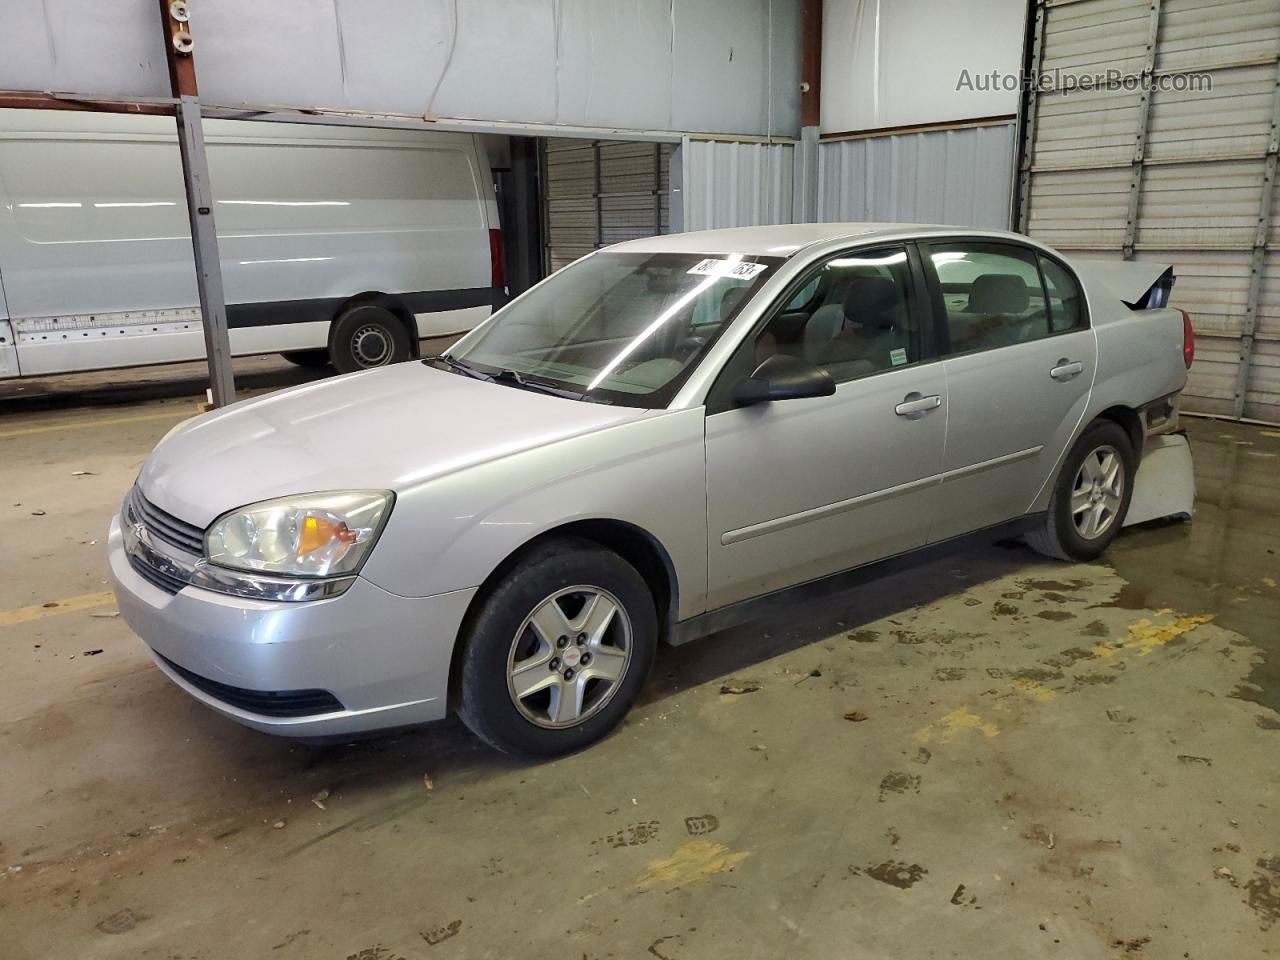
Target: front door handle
1066	369
915	405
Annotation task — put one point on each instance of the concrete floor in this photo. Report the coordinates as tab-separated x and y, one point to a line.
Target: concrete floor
1047	761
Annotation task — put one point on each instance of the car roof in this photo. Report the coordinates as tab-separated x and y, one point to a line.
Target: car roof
782	240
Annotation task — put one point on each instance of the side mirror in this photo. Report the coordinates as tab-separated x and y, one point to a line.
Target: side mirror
783	377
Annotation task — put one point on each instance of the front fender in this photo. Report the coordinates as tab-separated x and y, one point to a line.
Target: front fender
450	533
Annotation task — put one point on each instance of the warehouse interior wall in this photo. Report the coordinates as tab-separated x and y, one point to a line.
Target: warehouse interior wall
706	66
898	140
1184	174
896	64
958	175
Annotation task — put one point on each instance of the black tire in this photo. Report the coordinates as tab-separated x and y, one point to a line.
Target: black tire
312	359
367	336
1060	538
498	634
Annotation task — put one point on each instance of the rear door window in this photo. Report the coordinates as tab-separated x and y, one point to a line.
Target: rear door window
991	294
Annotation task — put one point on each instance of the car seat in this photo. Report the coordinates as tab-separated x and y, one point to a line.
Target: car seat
871	325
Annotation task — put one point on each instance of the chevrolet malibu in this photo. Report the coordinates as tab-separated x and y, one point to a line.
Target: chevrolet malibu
666	438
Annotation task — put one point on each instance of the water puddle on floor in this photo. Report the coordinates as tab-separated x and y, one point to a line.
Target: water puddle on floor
1227	560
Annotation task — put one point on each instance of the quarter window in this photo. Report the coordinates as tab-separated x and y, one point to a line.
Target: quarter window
991	294
851	317
1066	306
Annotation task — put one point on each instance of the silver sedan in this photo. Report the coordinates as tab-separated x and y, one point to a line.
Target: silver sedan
663	439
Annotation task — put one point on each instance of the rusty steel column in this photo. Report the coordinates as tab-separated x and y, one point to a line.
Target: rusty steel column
811	63
178	43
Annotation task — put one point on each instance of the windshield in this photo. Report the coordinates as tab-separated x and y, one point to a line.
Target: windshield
625	328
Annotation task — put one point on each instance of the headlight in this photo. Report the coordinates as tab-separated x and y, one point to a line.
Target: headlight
310	535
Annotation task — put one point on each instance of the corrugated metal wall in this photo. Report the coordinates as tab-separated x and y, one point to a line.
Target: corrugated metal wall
1179	176
955	176
598	192
735	183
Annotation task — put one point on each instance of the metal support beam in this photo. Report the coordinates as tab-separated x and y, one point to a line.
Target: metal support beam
175	21
810	64
595	163
44	100
1140	137
804	178
1258	262
204	243
1030	114
657	189
522	223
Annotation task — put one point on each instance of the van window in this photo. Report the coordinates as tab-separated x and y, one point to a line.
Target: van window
991	294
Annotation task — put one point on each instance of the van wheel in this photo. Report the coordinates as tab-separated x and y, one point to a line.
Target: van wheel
367	336
307	358
558	650
1090	497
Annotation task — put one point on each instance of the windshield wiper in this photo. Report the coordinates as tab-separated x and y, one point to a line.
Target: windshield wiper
512	377
524	382
458	365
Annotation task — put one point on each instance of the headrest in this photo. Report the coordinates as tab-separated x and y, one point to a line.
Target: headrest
998	293
872	301
729	302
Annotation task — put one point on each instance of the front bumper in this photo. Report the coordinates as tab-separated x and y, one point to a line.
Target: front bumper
385	658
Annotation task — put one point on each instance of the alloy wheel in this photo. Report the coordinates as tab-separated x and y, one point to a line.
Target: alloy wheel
569	657
1098	492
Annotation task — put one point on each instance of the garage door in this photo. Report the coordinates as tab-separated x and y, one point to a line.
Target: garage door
1172	157
600	192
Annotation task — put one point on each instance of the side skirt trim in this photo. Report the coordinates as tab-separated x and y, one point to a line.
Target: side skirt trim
755	608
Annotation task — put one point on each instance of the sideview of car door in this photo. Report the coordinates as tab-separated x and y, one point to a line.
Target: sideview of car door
1019	359
799	489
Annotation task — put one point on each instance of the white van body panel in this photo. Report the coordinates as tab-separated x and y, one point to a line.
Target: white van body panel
95	250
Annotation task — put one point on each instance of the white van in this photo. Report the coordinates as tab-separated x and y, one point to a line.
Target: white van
337	243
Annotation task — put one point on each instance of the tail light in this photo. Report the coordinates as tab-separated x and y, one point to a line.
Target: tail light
497	262
1188	339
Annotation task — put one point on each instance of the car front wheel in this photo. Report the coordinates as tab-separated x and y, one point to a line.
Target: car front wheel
558	650
1090	497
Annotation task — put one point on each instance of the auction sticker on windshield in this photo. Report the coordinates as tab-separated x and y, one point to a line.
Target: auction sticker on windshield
736	269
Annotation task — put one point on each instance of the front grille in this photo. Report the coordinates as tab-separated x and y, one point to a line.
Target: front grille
268	703
165	526
155	576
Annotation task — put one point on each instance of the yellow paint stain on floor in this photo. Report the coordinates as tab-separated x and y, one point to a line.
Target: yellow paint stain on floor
1269	581
1270	433
1146	636
85	601
691	863
1033	689
954	723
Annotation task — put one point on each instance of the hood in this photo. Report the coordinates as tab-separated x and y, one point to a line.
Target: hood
389	429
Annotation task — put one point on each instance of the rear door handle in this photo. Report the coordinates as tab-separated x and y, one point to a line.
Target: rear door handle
915	405
1066	369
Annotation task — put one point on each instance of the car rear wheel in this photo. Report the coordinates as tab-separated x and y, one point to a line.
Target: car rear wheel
1090	497
558	650
367	336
